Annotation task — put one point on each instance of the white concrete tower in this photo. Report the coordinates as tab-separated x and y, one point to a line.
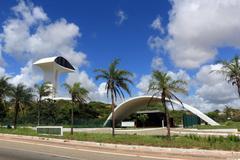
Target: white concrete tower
52	67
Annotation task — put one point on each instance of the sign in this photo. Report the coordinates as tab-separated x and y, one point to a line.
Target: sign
50	130
128	124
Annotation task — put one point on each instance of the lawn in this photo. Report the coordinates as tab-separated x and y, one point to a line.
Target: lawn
226	125
220	143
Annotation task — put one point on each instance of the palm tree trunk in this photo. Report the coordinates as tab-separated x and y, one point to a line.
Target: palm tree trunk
168	121
166	113
113	115
16	115
72	120
39	106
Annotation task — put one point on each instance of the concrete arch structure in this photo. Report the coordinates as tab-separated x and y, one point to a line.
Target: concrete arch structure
132	105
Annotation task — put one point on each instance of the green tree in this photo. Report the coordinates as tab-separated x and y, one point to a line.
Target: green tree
117	81
232	72
43	90
20	96
5	89
142	118
164	86
228	112
79	95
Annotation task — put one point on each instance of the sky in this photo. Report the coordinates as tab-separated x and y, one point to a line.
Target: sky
184	38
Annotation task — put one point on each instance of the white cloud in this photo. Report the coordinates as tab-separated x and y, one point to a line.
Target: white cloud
1	58
102	89
83	78
2	71
29	13
96	92
213	86
213	91
144	84
100	93
157	63
197	28
121	15
31	35
181	74
156	43
145	80
76	58
157	25
206	106
29	75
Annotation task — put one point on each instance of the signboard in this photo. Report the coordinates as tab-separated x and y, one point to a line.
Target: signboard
128	124
50	130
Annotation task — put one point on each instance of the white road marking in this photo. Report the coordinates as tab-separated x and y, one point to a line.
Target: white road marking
86	150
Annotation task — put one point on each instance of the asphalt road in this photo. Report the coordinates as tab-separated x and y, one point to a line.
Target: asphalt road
18	150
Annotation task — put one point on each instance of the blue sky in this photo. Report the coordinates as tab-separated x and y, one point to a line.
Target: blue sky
184	38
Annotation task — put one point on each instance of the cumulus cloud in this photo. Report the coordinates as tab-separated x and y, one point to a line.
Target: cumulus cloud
206	106
121	17
181	74
197	28
157	25
212	91
83	78
1	58
96	92
157	63
213	86
29	75
145	80
143	84
156	43
2	71
30	35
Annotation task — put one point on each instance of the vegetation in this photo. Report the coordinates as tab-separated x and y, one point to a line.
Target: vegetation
228	114
43	90
191	141
232	71
117	81
142	118
21	96
164	86
78	95
5	89
225	125
92	114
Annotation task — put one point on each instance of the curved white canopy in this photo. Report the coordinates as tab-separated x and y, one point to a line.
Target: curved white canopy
52	68
132	105
57	63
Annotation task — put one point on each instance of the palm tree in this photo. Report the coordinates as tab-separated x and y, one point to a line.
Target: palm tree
232	71
43	90
116	82
78	95
20	96
5	89
164	86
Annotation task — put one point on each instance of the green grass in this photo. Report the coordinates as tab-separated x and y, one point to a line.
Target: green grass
226	125
19	131
229	143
